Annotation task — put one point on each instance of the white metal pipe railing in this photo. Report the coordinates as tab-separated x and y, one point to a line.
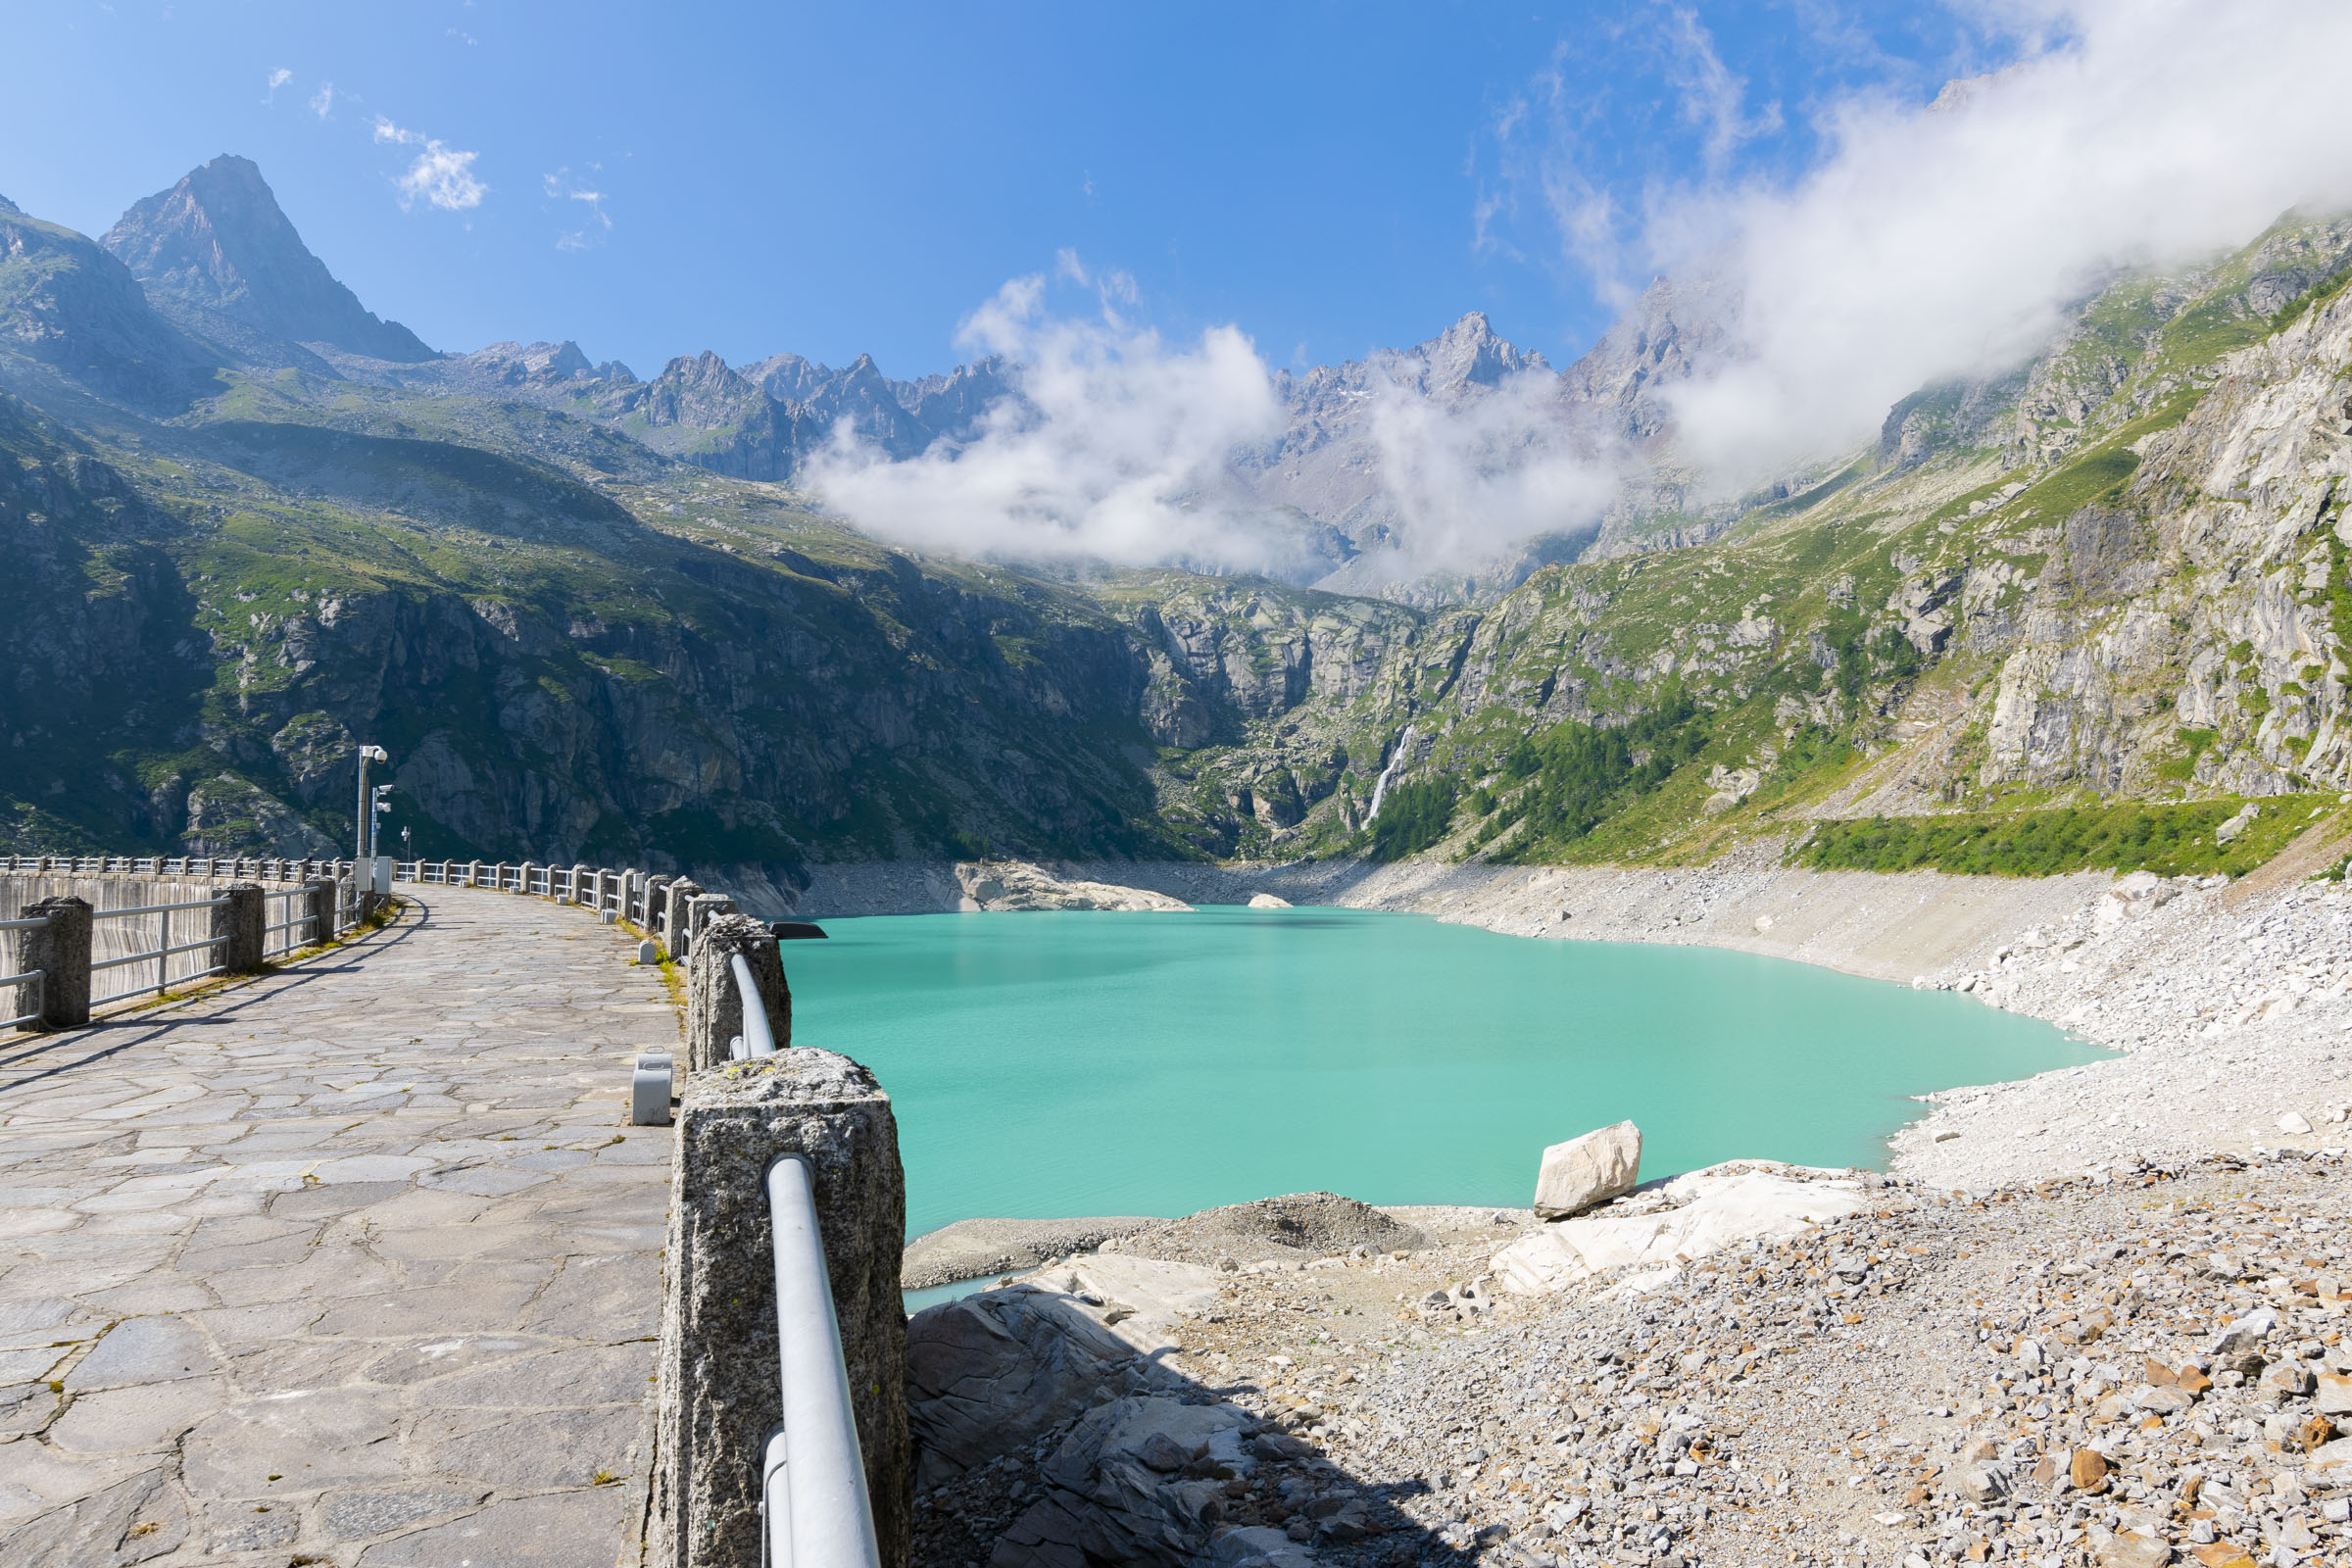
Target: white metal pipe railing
32	981
756	1038
292	923
163	950
813	1502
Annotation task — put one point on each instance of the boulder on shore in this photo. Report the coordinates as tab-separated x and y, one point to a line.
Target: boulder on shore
989	1373
1589	1170
1138	1480
1267	901
1007	885
1712	1209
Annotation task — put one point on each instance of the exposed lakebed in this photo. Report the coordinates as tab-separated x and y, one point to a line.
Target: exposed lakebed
1091	1064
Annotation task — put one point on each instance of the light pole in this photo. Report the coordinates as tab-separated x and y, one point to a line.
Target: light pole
406	852
375	817
366	818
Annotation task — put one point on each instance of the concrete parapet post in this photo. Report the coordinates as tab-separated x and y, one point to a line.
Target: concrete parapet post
714	1003
676	904
579	882
656	903
530	870
323	901
239	926
718	1394
473	873
61	951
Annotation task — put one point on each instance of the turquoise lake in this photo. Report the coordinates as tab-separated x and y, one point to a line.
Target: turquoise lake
1046	1064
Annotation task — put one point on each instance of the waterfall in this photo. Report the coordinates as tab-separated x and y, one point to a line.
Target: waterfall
1380	785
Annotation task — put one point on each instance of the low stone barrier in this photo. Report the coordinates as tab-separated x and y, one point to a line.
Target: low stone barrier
720	1394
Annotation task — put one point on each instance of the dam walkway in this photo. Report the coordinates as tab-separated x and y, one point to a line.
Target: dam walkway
357	1262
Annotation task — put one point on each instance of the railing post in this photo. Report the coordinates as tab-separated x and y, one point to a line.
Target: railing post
528	871
714	1003
675	907
241	927
718	1394
61	951
322	902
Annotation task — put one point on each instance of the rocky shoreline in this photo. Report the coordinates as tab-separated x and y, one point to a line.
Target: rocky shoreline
2108	1372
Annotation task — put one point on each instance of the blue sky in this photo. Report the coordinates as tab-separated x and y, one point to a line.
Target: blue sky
836	179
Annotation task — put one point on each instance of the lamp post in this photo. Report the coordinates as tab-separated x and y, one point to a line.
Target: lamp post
366	817
380	805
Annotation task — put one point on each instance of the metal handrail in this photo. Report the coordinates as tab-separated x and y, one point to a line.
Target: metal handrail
157	908
163	952
34	978
816	1511
35	923
756	1038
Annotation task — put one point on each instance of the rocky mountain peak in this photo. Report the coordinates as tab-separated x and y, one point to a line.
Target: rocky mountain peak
1470	354
787	377
219	241
7	206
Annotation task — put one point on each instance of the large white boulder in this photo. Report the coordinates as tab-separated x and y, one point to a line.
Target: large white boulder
1589	1170
1716	1211
1007	885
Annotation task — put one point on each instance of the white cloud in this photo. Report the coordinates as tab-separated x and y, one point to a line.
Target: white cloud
1471	477
279	78
1123	448
561	187
439	174
1120	454
1921	244
1931	243
322	102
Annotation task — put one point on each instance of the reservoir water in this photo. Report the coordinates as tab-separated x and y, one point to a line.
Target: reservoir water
1046	1064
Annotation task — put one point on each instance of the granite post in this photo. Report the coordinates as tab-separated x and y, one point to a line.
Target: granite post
240	927
719	1394
61	951
676	906
323	901
713	1001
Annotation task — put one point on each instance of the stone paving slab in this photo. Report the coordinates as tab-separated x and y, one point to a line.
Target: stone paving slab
355	1264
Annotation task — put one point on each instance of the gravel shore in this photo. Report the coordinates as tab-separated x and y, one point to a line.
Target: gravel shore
2109	1371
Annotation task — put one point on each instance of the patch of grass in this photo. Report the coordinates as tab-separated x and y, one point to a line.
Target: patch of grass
2172	840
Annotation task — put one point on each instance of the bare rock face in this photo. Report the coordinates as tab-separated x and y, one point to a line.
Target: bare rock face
1589	1170
989	1373
1137	1480
720	1394
1006	885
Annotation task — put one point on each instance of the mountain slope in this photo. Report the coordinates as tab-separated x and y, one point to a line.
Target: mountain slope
69	310
218	243
591	621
